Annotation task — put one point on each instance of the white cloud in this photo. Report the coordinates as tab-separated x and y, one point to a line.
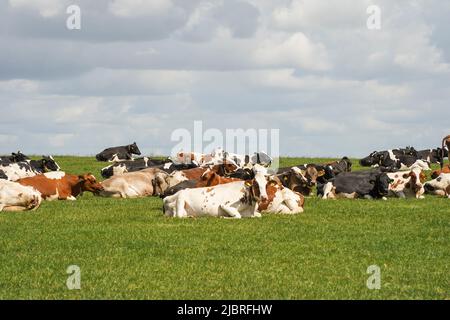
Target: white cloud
321	14
294	51
46	8
129	8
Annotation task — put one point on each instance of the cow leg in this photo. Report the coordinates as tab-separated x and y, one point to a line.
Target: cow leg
71	198
231	211
293	206
180	211
13	208
1	207
256	213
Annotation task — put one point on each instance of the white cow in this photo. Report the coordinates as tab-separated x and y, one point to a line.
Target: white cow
15	197
147	182
235	199
439	186
407	183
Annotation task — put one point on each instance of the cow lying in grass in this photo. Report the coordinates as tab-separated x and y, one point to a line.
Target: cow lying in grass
208	179
439	186
235	199
407	183
147	182
15	197
28	168
62	186
119	153
369	184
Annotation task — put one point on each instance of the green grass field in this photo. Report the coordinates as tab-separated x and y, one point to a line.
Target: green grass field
126	249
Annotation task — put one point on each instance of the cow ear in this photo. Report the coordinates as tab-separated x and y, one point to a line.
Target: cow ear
320	173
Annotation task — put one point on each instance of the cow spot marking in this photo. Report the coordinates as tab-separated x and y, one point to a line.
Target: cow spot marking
55	175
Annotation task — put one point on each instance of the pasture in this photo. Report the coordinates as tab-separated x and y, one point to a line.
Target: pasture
127	249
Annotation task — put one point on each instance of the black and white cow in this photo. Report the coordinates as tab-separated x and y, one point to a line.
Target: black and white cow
29	168
170	167
14	157
431	155
119	153
371	184
394	160
130	166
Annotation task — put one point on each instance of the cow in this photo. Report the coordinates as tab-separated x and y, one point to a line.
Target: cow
118	153
170	167
143	183
130	166
15	197
431	155
218	155
208	179
3	175
407	183
14	157
436	173
439	186
371	184
62	186
235	199
29	168
394	162
445	149
308	173
195	173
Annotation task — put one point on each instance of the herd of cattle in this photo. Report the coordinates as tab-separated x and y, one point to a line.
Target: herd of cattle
224	184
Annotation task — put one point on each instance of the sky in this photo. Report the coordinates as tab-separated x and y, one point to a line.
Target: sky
139	70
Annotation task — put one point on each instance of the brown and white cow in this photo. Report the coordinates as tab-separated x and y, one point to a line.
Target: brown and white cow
235	199
62	186
407	183
16	197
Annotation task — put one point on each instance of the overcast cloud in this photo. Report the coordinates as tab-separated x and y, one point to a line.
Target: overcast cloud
137	70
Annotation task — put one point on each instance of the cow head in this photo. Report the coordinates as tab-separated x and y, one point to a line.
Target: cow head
160	184
133	149
347	163
417	179
208	176
259	183
175	178
224	168
381	184
49	164
371	160
309	175
107	172
18	157
89	183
